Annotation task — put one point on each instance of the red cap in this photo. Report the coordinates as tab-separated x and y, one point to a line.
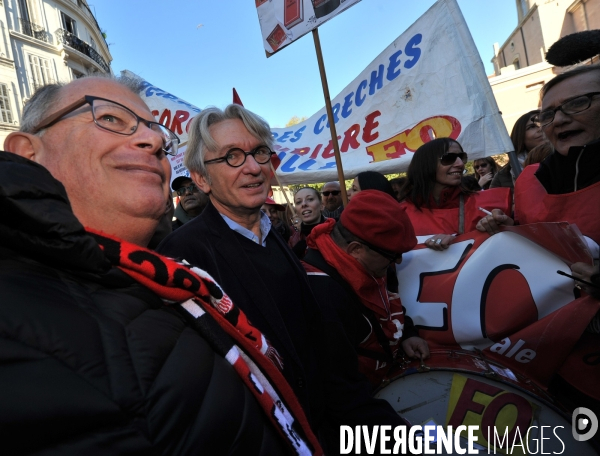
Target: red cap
377	218
279	207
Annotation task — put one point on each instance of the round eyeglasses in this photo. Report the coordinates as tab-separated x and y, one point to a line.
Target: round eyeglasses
114	117
569	107
237	157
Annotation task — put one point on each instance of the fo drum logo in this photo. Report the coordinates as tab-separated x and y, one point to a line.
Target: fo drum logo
584	424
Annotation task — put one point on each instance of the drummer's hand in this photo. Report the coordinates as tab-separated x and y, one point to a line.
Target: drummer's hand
585	272
415	347
439	241
492	223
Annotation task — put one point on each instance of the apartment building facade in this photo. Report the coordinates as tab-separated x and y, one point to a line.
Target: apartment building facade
45	41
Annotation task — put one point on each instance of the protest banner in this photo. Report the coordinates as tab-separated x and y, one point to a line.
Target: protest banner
430	82
170	111
283	22
500	295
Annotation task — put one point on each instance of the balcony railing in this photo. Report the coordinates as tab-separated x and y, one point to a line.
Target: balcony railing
34	31
68	39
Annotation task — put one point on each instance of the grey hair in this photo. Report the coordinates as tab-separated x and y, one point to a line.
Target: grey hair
46	97
566	75
341	236
200	140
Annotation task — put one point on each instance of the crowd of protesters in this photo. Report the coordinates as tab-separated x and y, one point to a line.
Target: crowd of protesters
237	332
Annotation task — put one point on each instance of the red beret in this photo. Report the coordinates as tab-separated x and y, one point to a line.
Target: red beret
377	218
271	201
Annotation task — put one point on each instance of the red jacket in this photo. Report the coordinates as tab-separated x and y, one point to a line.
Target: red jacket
428	222
533	204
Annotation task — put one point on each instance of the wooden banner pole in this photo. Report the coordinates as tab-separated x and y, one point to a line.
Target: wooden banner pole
290	206
334	139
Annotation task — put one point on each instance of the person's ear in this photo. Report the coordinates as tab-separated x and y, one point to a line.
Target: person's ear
24	144
201	181
354	249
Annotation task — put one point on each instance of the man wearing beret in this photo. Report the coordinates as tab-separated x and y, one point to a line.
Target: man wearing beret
348	263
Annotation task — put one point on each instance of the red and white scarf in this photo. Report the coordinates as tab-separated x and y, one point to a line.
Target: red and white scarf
372	291
215	316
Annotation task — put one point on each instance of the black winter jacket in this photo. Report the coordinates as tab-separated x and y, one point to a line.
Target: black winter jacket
91	362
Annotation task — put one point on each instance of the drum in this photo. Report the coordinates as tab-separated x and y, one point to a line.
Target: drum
455	387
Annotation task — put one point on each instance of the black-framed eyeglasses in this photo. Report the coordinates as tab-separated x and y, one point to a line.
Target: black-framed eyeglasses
237	157
450	157
332	192
116	118
189	188
390	256
573	106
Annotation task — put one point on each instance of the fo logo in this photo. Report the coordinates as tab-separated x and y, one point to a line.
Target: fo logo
584	424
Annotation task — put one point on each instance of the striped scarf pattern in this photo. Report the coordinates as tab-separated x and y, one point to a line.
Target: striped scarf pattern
225	327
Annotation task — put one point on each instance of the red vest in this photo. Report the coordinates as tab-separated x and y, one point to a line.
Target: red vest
438	221
533	204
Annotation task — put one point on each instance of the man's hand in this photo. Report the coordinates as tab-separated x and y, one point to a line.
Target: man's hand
439	241
588	273
415	347
485	179
492	223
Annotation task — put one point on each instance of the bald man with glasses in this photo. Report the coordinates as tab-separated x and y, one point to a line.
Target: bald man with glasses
107	347
332	200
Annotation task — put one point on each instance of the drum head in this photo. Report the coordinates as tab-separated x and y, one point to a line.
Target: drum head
499	406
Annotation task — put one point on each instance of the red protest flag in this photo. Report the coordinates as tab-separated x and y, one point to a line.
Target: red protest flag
236	98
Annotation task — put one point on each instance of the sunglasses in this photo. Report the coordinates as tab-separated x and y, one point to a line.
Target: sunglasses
332	192
482	165
449	158
190	188
390	256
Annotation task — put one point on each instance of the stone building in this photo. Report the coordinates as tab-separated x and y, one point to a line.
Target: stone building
44	41
520	67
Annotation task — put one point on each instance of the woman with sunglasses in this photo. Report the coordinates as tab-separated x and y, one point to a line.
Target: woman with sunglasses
437	203
485	170
308	204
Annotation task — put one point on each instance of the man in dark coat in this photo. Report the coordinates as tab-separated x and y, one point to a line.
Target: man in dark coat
96	355
228	157
192	200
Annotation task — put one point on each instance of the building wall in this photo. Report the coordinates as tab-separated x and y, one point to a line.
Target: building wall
516	89
9	83
519	92
36	50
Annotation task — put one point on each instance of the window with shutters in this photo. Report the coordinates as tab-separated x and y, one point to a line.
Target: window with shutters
5	111
40	71
69	24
